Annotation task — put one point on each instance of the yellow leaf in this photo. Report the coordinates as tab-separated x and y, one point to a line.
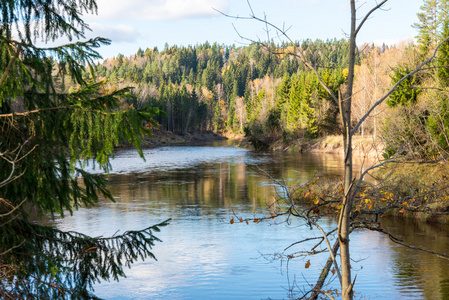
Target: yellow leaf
367	201
307	264
339	206
405	203
370	206
316	201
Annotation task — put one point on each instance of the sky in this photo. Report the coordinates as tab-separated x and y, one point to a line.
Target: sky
134	24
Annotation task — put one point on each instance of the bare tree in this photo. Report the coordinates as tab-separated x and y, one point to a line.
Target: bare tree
351	186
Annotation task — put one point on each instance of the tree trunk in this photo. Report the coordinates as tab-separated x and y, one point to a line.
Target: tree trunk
345	214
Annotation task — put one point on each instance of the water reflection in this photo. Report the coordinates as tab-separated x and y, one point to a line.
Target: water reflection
203	256
427	273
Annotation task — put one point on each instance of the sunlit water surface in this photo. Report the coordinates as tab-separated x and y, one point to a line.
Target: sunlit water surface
203	256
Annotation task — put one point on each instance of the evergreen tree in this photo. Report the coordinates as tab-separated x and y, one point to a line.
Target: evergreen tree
407	92
294	103
443	52
428	24
282	99
307	110
47	134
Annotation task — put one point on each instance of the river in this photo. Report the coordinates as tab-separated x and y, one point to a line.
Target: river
204	256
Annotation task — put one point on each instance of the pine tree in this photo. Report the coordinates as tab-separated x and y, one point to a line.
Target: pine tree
283	91
432	22
294	102
47	133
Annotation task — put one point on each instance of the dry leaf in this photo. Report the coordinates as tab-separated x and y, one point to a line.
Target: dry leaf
307	264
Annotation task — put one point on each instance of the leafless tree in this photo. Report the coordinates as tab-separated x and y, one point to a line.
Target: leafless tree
351	185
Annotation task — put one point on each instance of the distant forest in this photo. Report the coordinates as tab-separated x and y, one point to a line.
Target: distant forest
226	88
266	92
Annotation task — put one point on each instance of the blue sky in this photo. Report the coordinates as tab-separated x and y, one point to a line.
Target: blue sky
132	24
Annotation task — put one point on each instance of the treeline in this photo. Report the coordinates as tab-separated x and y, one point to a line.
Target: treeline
227	88
266	92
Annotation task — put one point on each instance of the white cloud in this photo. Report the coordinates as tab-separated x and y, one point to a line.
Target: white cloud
117	33
159	9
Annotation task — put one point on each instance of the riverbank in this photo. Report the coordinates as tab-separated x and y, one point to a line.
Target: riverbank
167	138
365	146
362	146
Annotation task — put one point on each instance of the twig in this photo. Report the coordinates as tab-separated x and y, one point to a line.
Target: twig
11	62
400	242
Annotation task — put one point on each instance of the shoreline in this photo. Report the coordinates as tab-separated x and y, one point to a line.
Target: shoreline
167	138
333	144
366	146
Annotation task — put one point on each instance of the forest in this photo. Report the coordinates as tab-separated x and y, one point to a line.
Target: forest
223	88
266	92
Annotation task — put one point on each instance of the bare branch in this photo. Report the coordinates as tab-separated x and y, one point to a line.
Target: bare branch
331	252
367	16
12	248
12	210
324	272
285	35
11	62
400	242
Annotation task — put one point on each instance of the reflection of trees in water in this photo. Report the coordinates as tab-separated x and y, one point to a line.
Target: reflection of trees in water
415	268
221	184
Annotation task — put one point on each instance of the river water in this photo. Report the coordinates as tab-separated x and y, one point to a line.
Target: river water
204	256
